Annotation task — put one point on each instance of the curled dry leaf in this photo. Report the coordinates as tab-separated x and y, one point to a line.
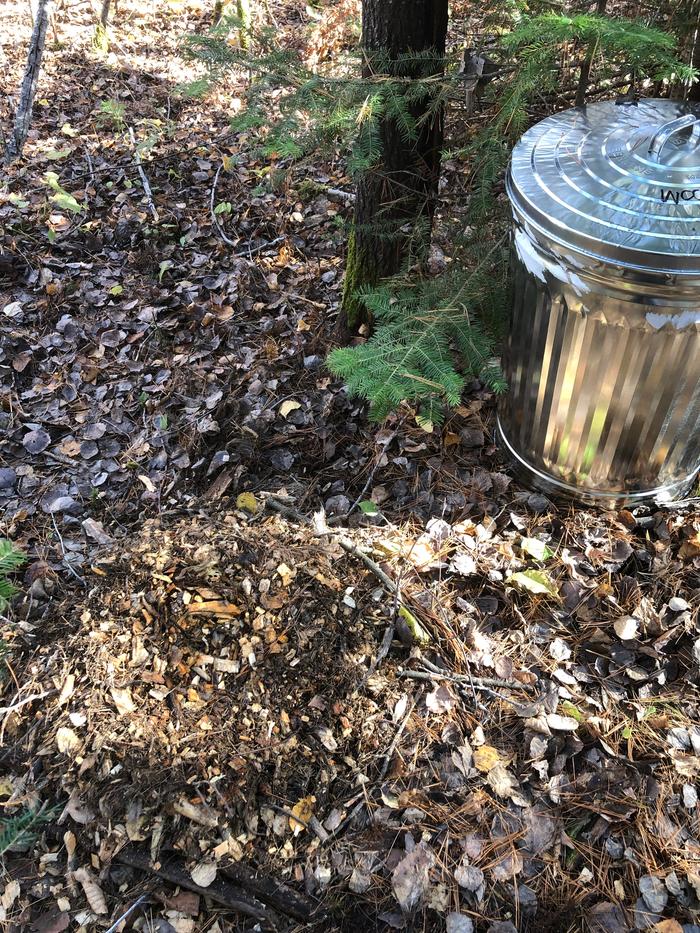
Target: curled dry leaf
411	877
93	892
303	810
67	741
122	700
561	723
626	628
486	757
204	874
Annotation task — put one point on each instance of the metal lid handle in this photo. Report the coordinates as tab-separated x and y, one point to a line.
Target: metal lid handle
668	130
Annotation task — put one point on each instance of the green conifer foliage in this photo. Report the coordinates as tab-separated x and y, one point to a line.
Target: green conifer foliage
431	335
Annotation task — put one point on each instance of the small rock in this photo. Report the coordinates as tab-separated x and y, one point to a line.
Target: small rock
676	604
690	797
502	926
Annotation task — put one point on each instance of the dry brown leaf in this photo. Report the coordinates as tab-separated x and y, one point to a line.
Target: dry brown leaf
668	926
122	700
214	607
93	892
67	741
485	758
304	810
204	874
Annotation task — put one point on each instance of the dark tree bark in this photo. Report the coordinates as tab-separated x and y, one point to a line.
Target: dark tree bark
104	14
23	115
395	202
693	39
587	64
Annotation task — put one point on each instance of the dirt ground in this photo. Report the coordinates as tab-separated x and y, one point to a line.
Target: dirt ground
236	698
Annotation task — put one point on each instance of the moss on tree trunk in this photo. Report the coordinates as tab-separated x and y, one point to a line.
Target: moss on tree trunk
395	200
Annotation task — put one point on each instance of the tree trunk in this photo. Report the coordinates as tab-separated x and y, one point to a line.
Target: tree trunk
694	43
23	115
587	64
104	14
395	201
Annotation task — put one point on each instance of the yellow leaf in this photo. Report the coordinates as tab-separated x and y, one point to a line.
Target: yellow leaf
414	626
247	502
286	408
486	757
304	810
668	926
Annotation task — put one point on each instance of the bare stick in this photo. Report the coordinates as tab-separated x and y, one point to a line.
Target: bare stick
127	913
220	891
144	181
27	93
214	219
397	738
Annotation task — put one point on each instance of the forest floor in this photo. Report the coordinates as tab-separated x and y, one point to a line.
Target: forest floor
245	698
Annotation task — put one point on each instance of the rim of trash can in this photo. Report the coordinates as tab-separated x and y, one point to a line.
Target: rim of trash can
616	183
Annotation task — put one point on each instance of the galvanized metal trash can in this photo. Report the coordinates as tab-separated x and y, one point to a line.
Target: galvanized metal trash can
603	357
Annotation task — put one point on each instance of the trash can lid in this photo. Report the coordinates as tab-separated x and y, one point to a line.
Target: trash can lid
615	181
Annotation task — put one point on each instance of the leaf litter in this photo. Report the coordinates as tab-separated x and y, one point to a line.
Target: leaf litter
221	741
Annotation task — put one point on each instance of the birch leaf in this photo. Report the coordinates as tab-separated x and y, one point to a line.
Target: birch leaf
535	581
536	548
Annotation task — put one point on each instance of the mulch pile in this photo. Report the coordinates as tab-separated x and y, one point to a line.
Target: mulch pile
214	702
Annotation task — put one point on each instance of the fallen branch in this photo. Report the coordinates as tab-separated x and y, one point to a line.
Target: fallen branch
475	682
275	893
251	893
222	892
212	211
395	741
144	180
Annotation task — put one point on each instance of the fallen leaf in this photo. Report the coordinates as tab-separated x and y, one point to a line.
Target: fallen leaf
122	700
440	700
246	502
536	548
654	892
626	628
36	441
535	581
668	926
93	892
411	877
204	874
67	741
458	923
303	810
286	408
485	758
561	723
